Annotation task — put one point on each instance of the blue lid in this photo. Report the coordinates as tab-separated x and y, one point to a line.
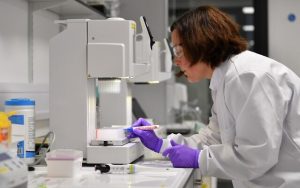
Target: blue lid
20	102
129	129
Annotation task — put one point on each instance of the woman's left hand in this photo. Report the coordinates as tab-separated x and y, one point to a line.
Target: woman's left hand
182	156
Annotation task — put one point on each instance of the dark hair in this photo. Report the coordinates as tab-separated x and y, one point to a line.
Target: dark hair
208	35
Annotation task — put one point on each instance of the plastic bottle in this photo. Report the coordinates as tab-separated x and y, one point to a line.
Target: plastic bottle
5	129
24	116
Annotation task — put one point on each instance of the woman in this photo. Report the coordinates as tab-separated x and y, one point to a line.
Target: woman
253	136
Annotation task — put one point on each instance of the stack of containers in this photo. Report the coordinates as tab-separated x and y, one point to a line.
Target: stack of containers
23	121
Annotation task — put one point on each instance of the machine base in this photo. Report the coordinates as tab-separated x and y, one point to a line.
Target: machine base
115	154
109	142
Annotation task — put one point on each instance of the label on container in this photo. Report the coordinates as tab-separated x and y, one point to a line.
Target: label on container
25	118
21	153
17	119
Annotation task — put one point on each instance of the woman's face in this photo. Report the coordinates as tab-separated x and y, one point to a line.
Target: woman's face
194	73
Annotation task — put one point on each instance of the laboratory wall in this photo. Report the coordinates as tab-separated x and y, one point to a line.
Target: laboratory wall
44	29
155	11
13	41
24	54
284	29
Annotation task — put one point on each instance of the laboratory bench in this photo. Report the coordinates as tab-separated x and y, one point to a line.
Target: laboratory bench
152	170
157	173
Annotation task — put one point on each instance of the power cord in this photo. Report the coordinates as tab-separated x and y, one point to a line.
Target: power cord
43	155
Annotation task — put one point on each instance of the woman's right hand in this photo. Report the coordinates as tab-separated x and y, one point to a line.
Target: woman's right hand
147	137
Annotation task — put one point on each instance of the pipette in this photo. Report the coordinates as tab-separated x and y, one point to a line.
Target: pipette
116	169
129	168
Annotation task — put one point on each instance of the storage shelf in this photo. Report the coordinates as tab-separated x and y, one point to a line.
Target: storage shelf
67	9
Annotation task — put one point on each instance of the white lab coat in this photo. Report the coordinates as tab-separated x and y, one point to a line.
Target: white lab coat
253	136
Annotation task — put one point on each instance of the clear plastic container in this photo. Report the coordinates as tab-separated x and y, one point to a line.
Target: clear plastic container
64	162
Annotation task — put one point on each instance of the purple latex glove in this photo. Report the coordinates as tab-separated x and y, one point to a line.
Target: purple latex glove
182	156
147	137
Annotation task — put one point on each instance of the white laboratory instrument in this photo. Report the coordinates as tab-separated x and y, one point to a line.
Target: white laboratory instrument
13	171
114	136
160	60
112	146
83	53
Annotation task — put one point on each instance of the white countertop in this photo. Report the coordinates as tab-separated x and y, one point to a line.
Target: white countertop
153	172
148	174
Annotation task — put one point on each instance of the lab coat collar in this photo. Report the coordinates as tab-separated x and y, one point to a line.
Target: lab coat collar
218	75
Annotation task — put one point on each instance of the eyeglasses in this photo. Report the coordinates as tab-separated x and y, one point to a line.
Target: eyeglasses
177	50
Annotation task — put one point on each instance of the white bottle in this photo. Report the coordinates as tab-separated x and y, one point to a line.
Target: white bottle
24	120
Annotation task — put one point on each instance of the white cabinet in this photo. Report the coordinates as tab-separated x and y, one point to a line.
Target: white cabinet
66	9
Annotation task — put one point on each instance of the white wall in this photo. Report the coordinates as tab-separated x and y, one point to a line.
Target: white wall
284	36
13	41
14	54
155	11
43	30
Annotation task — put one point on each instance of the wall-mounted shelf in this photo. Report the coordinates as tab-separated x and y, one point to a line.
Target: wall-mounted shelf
67	9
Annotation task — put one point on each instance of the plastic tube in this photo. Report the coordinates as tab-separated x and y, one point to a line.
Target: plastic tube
148	127
116	169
